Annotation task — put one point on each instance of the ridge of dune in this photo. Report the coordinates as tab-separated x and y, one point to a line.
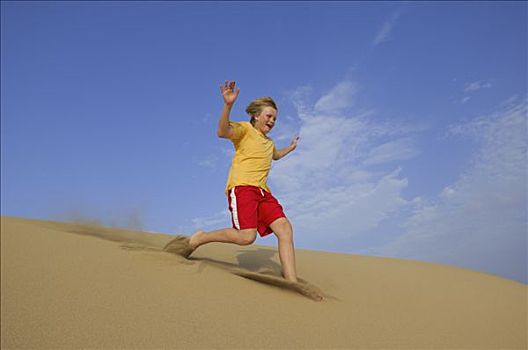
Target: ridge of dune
80	285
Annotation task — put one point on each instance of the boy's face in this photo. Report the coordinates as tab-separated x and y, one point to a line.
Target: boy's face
265	121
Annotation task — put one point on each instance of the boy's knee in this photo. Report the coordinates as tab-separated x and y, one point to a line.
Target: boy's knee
283	229
247	236
287	234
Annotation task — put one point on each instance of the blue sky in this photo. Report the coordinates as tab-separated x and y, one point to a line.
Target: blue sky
412	120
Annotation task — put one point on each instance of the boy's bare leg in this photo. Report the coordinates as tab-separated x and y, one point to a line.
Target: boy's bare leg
282	229
284	232
225	235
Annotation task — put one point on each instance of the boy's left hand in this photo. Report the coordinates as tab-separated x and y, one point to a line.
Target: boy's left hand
293	144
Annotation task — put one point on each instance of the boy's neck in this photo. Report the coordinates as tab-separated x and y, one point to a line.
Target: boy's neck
260	131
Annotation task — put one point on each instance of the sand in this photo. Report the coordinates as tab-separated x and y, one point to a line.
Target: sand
87	286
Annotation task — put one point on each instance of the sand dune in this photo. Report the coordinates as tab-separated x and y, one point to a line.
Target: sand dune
88	286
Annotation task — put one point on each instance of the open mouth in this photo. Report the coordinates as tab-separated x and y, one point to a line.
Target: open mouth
270	126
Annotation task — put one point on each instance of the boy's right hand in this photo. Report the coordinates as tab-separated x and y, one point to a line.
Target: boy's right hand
229	93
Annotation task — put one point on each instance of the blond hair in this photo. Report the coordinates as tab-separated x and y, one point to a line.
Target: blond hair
256	106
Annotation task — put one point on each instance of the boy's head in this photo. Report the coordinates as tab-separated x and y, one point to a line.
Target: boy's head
263	112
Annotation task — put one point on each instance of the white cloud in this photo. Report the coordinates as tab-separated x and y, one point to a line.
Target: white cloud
465	99
480	221
386	29
347	210
471	87
328	186
220	219
209	161
338	99
400	149
214	161
477	85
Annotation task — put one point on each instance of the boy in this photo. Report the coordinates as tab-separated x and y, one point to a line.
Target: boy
253	208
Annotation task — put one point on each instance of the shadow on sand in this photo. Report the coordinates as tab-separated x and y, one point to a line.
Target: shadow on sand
257	265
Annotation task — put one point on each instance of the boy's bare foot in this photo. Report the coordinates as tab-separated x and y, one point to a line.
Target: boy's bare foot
195	239
180	246
310	291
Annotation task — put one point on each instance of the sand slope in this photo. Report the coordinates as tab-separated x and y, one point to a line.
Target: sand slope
84	286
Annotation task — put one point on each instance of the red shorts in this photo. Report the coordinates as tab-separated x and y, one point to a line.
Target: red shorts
253	207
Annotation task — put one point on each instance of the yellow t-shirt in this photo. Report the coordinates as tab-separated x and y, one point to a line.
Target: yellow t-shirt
253	155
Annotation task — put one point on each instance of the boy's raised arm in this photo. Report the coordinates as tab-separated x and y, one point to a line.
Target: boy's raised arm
280	153
230	95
